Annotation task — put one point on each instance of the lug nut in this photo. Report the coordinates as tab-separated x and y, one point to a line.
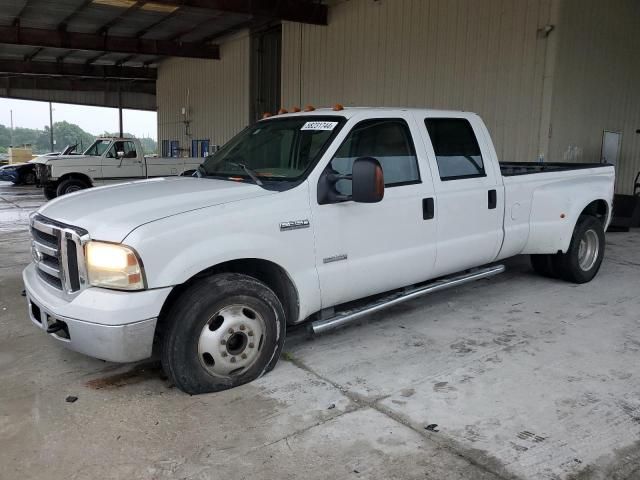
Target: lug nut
233	360
230	330
250	333
223	342
224	354
244	355
242	327
251	345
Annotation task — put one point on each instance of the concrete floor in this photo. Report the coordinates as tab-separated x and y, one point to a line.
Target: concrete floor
524	377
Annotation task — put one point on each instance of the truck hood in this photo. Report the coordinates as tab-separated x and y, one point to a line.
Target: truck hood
56	158
112	212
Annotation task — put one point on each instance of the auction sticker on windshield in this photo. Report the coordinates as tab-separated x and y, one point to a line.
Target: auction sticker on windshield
319	126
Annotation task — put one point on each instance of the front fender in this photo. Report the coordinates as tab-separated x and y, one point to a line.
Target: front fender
177	248
556	208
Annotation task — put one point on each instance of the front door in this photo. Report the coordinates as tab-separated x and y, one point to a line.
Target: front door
469	194
116	168
364	249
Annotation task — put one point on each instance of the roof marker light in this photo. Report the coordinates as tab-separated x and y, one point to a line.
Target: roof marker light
295	109
282	110
337	107
309	108
266	115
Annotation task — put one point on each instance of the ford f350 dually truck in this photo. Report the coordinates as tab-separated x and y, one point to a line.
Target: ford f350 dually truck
107	161
320	216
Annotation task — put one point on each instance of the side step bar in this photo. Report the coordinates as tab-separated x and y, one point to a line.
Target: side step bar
343	318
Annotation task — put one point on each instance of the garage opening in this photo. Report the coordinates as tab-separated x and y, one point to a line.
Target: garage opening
266	49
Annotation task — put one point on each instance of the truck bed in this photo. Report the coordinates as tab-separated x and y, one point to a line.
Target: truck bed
510	169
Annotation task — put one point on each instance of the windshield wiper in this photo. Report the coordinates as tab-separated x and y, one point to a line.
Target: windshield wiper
251	173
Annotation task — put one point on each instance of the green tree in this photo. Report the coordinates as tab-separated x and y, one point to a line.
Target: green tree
149	145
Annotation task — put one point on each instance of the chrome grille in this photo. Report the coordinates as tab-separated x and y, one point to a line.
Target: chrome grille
58	253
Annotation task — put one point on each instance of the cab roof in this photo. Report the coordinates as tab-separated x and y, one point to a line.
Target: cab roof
348	112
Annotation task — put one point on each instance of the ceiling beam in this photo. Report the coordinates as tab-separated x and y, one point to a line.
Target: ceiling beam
17	18
76	70
63	24
302	11
155	23
32	54
134	7
38	37
87	85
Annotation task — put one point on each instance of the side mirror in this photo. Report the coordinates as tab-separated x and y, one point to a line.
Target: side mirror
367	183
120	154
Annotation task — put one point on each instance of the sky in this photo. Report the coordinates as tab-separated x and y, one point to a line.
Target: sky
95	120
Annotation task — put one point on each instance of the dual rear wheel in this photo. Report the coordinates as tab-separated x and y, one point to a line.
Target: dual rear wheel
583	258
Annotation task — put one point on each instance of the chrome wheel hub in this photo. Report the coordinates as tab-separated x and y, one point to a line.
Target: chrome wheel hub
231	340
588	250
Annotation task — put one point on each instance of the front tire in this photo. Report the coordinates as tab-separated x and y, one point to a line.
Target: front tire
70	185
585	253
224	331
49	192
28	178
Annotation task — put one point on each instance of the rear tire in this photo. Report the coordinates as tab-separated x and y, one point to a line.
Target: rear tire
49	193
544	264
585	253
70	185
224	331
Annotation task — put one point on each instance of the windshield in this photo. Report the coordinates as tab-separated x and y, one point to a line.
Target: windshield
98	148
274	150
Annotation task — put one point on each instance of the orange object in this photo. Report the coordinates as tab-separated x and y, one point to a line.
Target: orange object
282	110
309	108
337	107
266	115
295	109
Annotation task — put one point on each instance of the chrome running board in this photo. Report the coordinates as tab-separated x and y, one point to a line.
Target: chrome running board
348	316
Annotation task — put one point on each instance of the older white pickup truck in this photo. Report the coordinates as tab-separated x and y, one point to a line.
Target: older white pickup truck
107	161
320	216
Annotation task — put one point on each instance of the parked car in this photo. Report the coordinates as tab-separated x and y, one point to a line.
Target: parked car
321	216
25	173
108	160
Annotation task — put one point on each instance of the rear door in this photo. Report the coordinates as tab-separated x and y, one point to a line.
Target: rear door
469	203
364	249
115	168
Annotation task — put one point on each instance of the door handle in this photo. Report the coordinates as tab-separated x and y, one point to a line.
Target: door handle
428	209
493	199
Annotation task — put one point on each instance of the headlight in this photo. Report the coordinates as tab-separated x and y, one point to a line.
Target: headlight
111	265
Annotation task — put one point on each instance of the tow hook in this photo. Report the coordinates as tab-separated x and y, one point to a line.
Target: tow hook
56	327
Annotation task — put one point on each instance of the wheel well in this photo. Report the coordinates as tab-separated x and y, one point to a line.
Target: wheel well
271	274
598	209
77	176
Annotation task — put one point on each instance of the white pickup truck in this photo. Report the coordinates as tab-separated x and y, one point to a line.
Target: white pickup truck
107	161
320	216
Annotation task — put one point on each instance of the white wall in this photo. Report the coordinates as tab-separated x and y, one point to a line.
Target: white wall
597	83
215	92
482	56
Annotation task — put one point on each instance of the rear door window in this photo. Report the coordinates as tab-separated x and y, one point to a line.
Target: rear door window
456	147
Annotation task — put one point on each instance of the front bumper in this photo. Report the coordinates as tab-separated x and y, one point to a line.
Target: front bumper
106	324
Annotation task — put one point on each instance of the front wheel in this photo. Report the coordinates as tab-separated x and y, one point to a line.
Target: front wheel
49	192
70	185
585	253
224	331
